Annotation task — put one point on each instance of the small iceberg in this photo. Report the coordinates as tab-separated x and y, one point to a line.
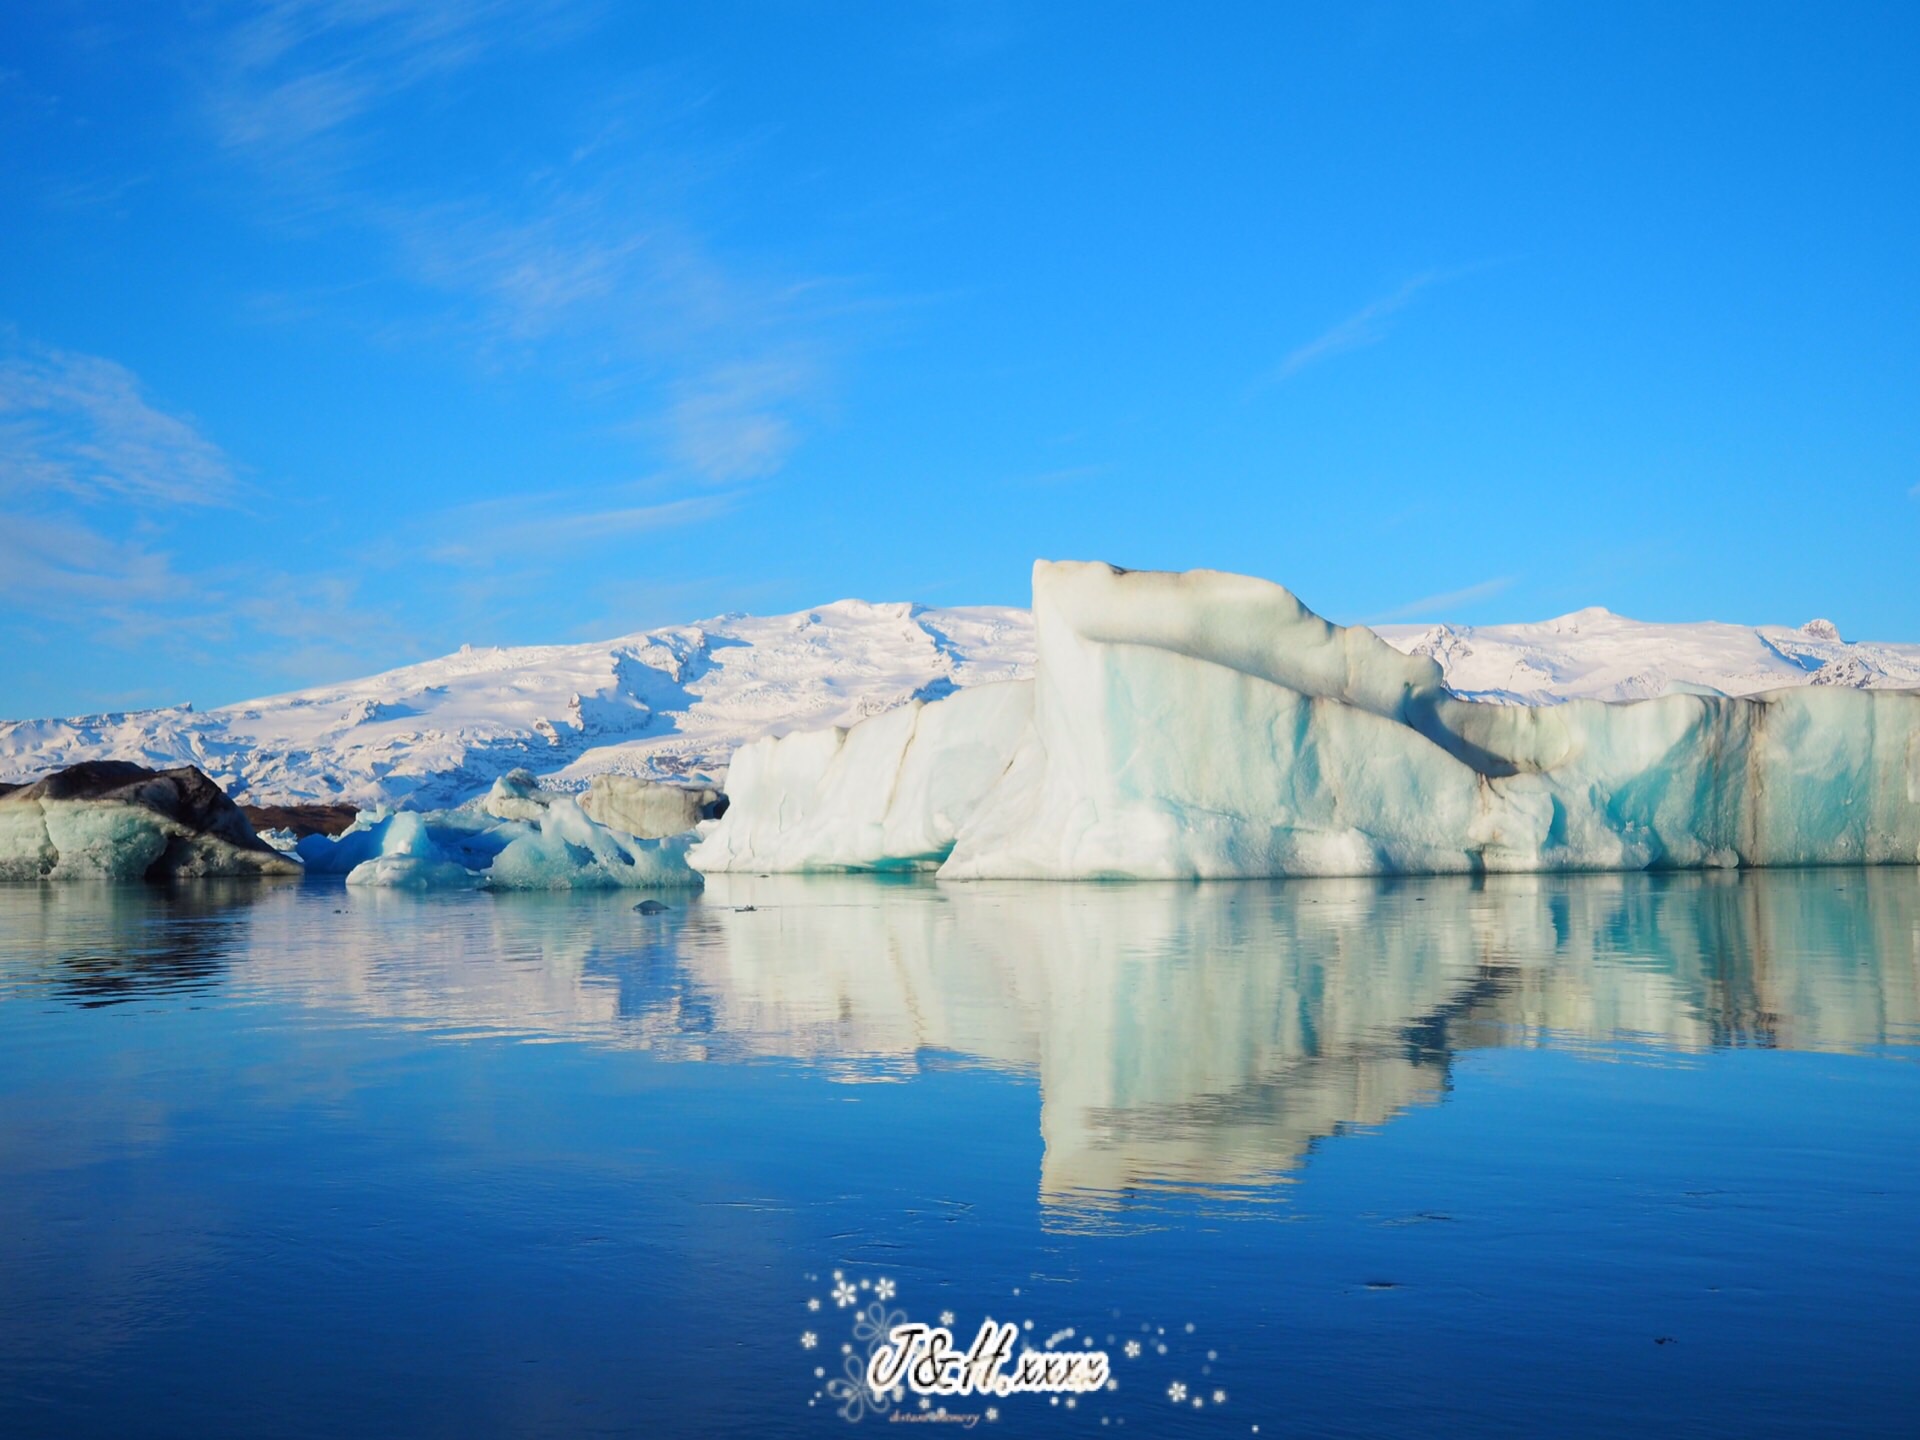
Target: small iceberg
516	837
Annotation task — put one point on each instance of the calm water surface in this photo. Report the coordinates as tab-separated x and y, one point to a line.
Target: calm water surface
1588	1156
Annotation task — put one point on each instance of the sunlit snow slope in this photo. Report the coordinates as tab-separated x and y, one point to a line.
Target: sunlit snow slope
1597	655
676	702
667	703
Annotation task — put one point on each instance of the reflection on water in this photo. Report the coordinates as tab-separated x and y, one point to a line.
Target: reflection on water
102	944
1184	1037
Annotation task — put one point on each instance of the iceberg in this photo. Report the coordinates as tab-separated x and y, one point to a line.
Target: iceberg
516	837
651	809
1205	725
889	793
114	820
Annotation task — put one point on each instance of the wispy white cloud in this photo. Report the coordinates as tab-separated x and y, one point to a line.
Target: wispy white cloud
584	260
56	564
731	422
538	527
83	427
1067	475
290	73
1366	326
1429	606
96	481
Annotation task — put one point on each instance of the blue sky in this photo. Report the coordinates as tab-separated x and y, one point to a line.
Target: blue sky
337	333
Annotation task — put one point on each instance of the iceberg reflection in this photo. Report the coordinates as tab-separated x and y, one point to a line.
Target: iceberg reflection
1183	1036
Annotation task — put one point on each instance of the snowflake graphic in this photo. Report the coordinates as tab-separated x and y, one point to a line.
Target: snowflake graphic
852	1394
808	1340
883	1289
1176	1392
993	1413
844	1294
1133	1349
1219	1397
873	1325
946	1318
813	1303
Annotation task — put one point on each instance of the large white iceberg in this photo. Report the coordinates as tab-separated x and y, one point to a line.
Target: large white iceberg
1205	725
517	837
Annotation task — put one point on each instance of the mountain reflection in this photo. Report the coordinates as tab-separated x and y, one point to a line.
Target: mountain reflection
1192	1037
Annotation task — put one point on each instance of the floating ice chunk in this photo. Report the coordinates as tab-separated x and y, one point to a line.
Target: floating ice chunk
649	808
567	850
113	820
517	795
414	872
887	794
557	848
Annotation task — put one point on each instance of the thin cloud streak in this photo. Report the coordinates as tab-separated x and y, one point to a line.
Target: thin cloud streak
534	528
1066	475
1366	326
302	71
1429	605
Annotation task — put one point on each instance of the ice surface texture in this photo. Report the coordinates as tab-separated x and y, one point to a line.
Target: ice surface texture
519	837
888	794
110	820
648	808
1210	725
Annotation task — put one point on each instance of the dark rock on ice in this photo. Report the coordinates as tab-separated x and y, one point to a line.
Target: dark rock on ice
114	820
301	819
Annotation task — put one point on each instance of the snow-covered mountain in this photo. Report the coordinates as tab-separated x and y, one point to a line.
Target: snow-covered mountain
666	704
675	703
1594	654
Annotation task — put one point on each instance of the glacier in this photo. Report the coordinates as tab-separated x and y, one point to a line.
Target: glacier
1205	725
519	836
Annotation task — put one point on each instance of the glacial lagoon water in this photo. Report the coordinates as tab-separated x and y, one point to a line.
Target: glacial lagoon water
1586	1155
